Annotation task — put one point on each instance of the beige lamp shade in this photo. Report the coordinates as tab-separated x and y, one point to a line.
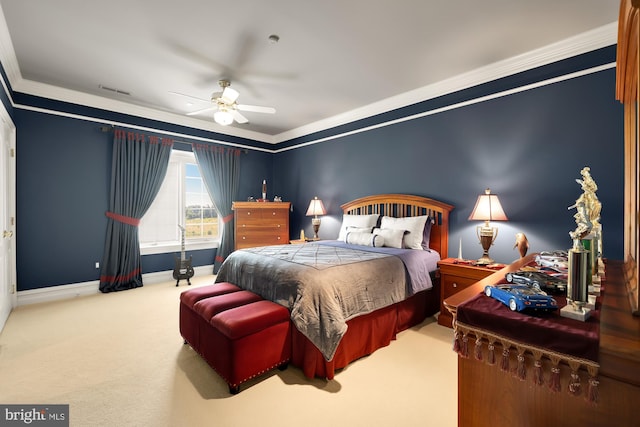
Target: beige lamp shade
488	208
316	207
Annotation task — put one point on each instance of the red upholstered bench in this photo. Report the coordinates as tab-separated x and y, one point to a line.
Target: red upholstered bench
236	332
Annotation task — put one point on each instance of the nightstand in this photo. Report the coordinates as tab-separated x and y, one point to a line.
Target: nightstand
456	275
307	240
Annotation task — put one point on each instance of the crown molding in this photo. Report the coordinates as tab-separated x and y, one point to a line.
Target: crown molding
582	43
595	39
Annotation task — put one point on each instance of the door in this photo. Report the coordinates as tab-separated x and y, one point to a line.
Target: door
7	217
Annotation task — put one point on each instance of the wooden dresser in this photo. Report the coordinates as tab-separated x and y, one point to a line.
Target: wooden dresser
486	393
261	223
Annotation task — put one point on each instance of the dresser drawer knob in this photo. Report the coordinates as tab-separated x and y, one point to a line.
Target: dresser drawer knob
455	285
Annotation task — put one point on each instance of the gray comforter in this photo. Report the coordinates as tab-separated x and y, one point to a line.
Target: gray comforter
327	283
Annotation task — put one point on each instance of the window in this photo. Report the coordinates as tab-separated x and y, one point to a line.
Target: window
183	200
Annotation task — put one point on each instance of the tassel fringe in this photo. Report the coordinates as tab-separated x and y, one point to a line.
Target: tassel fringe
554	381
464	347
504	363
538	376
592	391
491	355
593	394
456	342
478	349
574	388
521	371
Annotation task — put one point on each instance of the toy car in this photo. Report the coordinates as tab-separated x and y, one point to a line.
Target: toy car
537	279
558	260
520	297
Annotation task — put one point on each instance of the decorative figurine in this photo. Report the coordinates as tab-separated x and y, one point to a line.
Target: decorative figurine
580	259
522	244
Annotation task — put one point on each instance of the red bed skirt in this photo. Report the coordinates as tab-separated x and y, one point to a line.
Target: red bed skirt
365	334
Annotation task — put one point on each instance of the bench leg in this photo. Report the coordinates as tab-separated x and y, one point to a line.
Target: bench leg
283	366
234	389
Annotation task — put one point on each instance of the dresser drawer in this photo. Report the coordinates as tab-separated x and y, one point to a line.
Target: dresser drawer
258	216
260	237
453	284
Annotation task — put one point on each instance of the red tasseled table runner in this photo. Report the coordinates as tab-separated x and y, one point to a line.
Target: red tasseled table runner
541	334
547	330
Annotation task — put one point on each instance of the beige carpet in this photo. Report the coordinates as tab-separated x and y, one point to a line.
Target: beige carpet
118	360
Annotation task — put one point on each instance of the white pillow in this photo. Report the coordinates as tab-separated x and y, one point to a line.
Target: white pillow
414	226
365	239
392	238
369	221
352	229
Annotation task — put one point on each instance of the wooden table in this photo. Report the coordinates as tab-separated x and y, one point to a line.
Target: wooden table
488	396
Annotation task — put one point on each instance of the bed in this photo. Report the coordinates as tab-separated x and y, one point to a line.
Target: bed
351	296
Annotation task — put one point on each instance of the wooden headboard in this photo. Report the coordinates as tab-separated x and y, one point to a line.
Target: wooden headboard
404	205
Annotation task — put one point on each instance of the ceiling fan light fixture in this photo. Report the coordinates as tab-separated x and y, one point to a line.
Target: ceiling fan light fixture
223	118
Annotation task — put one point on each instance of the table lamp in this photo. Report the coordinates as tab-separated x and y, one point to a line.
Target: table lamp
316	208
487	208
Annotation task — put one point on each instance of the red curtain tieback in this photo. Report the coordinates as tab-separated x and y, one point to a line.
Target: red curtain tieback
227	218
124	219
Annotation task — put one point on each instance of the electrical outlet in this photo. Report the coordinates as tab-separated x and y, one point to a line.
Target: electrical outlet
97	265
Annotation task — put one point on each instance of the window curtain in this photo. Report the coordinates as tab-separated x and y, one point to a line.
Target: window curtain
220	169
139	165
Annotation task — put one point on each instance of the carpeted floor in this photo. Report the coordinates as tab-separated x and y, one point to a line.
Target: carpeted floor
118	360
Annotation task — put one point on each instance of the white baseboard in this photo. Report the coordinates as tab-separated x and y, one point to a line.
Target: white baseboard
74	290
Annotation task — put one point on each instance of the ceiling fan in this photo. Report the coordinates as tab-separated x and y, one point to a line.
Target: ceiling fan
227	108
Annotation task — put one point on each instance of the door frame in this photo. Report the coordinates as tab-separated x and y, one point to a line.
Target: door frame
8	129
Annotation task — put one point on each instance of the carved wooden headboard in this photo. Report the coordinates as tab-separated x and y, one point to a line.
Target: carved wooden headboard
405	205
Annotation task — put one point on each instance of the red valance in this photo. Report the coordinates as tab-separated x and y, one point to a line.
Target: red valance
216	148
123	134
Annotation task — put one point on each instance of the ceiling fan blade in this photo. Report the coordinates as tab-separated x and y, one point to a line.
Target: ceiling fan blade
239	117
189	96
256	109
202	111
229	95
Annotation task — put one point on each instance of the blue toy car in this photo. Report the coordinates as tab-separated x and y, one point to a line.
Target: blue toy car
520	297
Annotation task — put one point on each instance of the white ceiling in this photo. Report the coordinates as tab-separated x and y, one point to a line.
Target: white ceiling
337	60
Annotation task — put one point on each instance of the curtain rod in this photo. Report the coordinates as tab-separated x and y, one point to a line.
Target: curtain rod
106	129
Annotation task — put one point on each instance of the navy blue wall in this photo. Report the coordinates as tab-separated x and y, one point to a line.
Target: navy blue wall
63	169
528	147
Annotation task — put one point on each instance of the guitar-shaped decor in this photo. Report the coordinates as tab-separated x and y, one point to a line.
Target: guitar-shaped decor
183	268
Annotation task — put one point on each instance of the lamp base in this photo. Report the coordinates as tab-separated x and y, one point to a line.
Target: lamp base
315	222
